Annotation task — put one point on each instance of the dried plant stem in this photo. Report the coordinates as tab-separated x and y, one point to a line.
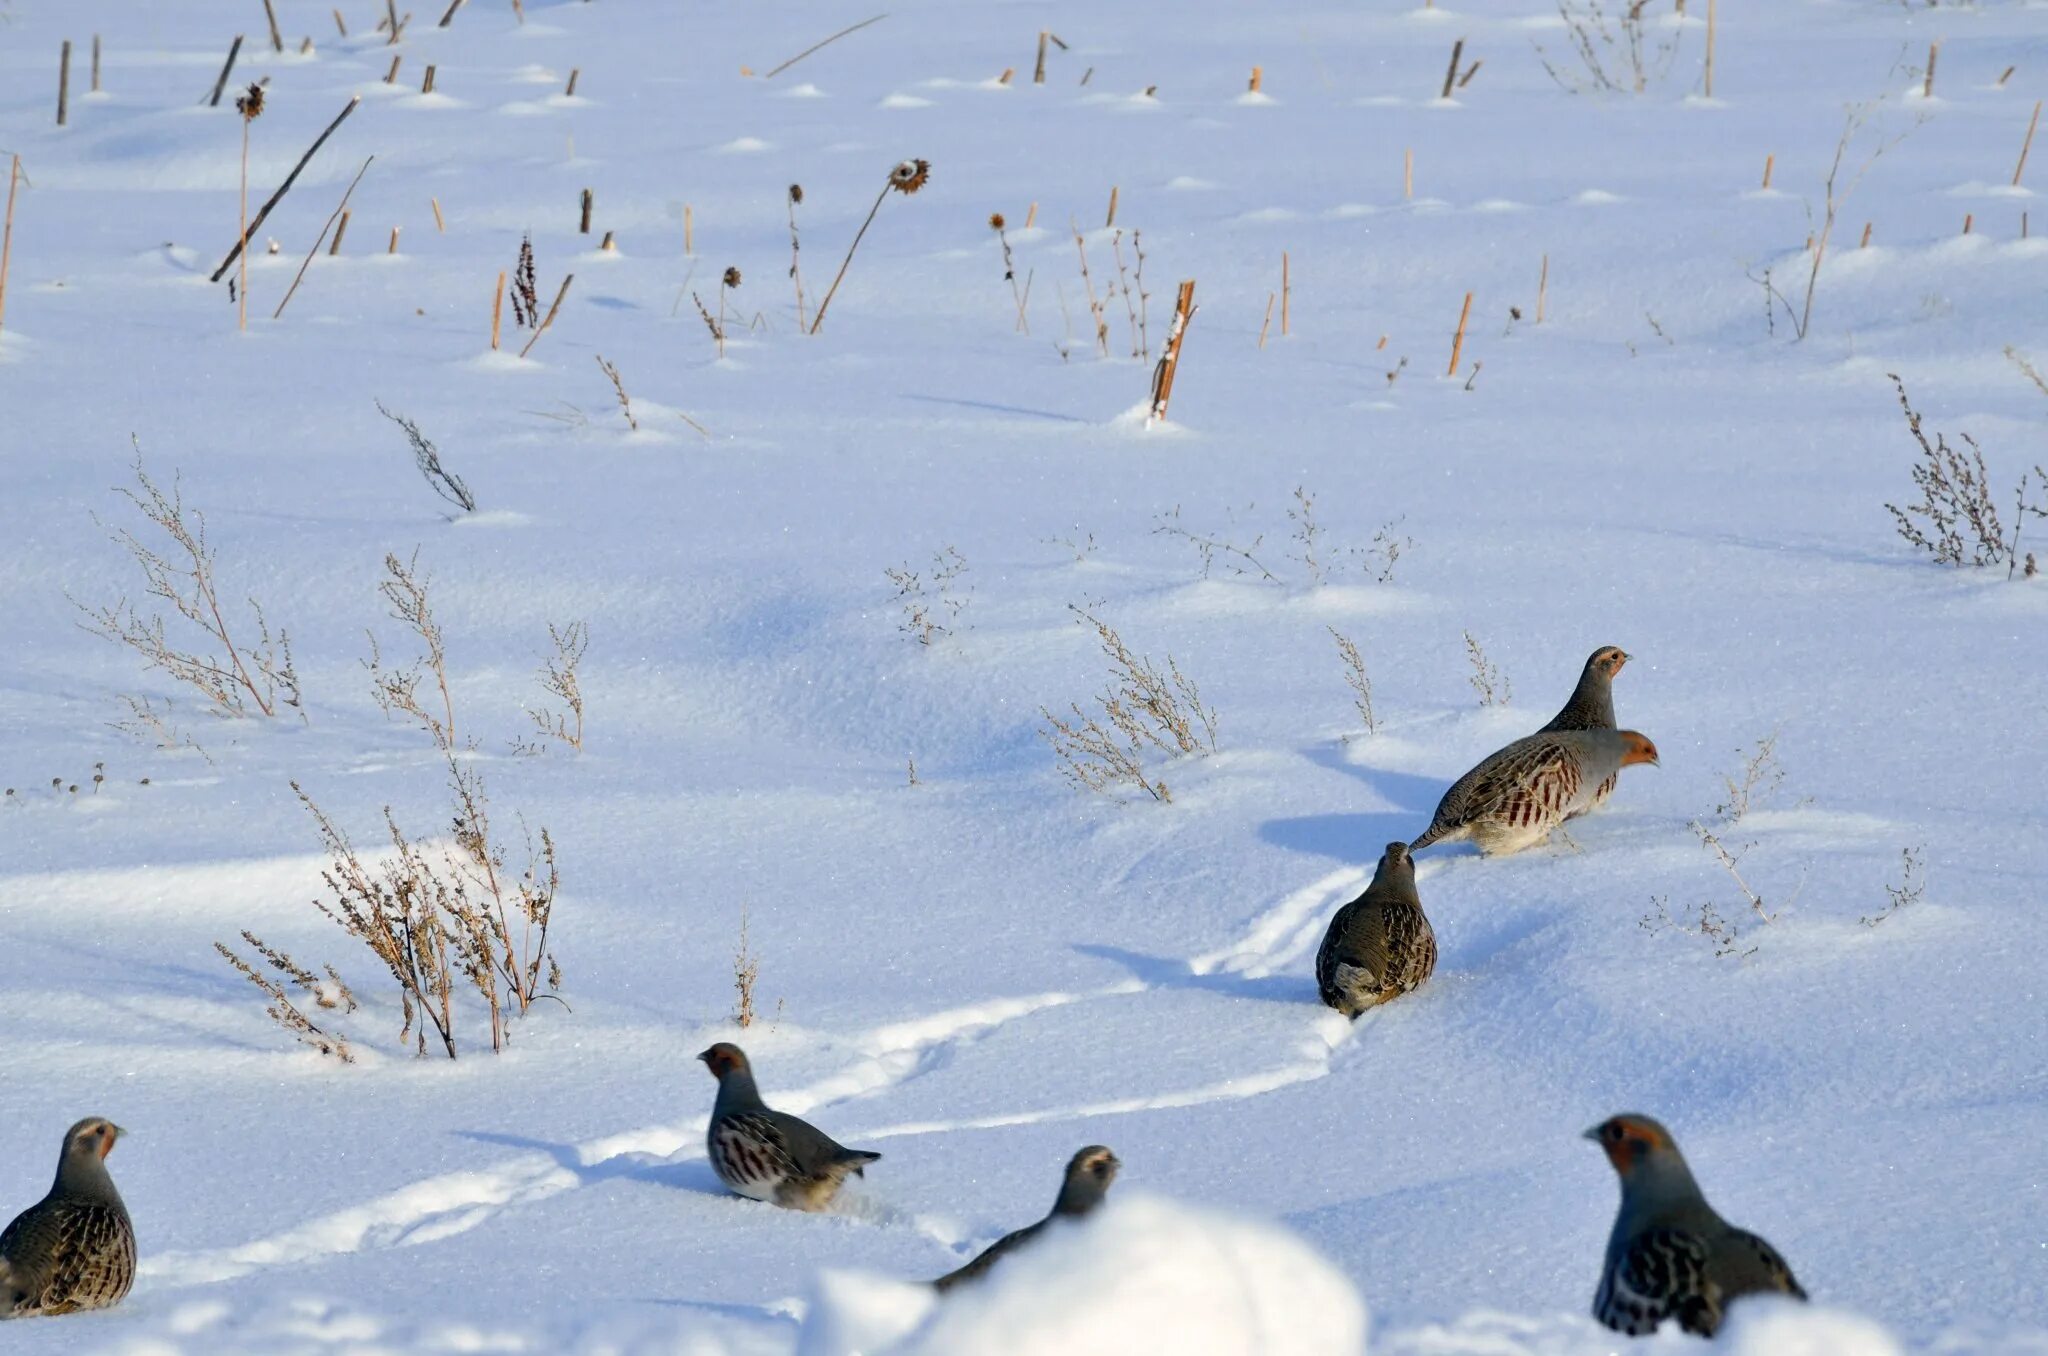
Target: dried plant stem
1451	75
555	306
2027	145
1709	89
619	386
220	85
95	63
1458	340
242	298
7	233
1286	294
1267	323
64	84
283	188
826	42
1111	219
1169	360
830	292
340	230
1927	86
497	309
1542	288
1095	306
340	212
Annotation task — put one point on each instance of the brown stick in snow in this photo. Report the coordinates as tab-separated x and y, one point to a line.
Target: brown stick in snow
285	187
339	213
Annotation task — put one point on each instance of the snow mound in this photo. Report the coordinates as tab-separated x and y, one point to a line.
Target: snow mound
1143	1274
1776	1327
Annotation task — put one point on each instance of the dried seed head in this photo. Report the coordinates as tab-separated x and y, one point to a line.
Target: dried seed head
910	175
796	192
995	221
732	277
250	105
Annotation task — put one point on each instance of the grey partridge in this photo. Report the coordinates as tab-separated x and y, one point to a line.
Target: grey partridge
1670	1255
1380	945
1592	706
767	1155
75	1248
1518	794
1089	1174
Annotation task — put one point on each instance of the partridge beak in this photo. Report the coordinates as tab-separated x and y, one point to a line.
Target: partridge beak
1593	1134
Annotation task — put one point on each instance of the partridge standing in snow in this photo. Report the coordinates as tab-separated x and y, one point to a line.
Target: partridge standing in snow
1670	1255
1380	945
766	1155
1518	794
1592	706
1089	1174
74	1249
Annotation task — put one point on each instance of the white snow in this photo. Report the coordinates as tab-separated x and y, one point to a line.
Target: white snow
979	970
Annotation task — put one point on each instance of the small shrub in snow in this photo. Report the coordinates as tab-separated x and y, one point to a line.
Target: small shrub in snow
619	389
1355	677
237	678
931	605
1321	561
525	288
1762	774
746	968
428	458
1145	709
1956	520
1702	920
1615	54
1487	680
559	677
397	691
1214	548
1910	890
331	995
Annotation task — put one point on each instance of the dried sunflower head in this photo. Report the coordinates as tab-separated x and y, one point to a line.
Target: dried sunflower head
995	221
732	277
250	105
910	175
796	193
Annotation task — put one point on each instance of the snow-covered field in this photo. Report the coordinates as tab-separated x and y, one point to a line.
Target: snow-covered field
976	969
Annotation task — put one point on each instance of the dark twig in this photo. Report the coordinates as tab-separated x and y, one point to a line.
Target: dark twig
284	188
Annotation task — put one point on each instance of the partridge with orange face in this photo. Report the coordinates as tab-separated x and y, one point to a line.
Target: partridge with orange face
1670	1255
74	1249
767	1155
1592	706
1086	1185
1517	795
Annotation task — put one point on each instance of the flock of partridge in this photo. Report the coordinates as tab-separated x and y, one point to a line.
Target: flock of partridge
1670	1256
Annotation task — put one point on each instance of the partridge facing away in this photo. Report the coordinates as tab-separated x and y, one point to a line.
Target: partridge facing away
1592	706
1670	1255
1380	945
1089	1174
766	1155
1518	794
74	1249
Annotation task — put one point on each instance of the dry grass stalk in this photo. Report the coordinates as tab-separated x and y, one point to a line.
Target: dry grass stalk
64	84
1709	73
746	969
560	678
1761	776
281	1009
1615	52
236	678
155	727
796	277
1770	162
250	106
340	230
448	17
1451	75
1097	307
823	42
1487	680
497	309
1704	921
7	233
1169	359
907	177
1910	890
1927	86
2027	145
220	83
1956	520
440	225
1123	275
589	201
619	388
1145	708
427	457
276	38
525	299
711	322
931	607
689	229
1286	295
1458	339
1355	678
391	72
549	318
1212	547
340	26
407	593
1408	173
1267	323
1542	289
340	213
999	226
1730	861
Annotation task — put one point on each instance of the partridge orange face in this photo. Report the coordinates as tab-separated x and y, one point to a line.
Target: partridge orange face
1099	1163
1609	659
723	1058
95	1137
1637	748
1629	1139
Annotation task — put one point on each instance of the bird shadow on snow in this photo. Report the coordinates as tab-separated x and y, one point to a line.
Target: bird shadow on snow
1173	972
995	408
691	1175
1360	836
